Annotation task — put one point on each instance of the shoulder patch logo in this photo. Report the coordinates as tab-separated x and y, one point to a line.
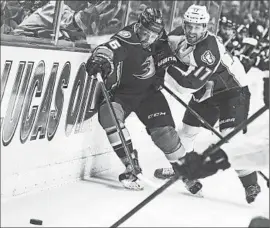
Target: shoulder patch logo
124	34
208	57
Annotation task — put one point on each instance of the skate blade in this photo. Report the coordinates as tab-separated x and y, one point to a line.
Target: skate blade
132	185
199	194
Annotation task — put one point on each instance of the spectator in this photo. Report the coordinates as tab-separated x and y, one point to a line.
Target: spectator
256	24
6	25
40	22
8	16
107	16
226	29
234	13
136	8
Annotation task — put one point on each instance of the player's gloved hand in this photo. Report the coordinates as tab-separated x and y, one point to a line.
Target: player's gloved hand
160	77
98	64
163	55
196	166
266	91
163	59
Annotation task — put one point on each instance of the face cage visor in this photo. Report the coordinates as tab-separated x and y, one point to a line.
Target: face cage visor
147	36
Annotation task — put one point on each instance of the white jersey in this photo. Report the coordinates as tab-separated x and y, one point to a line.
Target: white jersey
205	66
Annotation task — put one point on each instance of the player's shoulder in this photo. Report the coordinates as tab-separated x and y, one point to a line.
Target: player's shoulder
127	36
207	51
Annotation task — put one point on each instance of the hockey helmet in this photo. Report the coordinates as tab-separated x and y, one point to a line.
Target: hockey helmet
195	23
197	14
150	26
224	22
151	19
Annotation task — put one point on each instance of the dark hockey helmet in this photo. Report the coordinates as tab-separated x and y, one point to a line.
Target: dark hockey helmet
150	26
225	22
151	19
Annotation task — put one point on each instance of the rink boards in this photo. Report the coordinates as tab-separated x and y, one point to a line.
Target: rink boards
49	128
50	134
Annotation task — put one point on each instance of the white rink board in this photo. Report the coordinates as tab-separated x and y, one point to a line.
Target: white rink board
43	163
28	164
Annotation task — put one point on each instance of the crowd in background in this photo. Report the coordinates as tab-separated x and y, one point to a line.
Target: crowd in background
235	21
107	17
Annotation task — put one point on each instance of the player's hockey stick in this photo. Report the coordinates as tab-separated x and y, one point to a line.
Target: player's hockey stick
264	177
201	119
120	132
146	200
237	129
210	150
204	122
219	14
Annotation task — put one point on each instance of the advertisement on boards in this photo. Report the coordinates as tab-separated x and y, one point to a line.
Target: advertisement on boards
48	109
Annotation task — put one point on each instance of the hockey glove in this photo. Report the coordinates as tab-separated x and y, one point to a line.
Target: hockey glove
266	91
163	56
159	82
163	60
195	166
99	64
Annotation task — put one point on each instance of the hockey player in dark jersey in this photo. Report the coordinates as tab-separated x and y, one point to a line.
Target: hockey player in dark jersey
250	48
217	83
254	50
129	63
227	33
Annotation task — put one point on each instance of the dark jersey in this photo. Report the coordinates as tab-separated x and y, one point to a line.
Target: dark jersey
211	68
135	71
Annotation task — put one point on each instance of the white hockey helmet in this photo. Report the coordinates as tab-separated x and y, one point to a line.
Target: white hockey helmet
197	14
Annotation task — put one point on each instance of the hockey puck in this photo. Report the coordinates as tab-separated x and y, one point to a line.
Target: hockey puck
36	221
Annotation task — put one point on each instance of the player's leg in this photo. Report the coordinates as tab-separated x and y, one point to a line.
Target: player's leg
190	129
233	111
155	113
108	124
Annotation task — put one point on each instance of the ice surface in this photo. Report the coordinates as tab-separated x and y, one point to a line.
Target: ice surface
101	201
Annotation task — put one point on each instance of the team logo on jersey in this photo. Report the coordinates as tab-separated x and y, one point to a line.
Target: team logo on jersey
208	57
148	69
124	34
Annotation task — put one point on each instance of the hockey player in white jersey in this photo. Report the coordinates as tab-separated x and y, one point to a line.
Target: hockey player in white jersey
216	80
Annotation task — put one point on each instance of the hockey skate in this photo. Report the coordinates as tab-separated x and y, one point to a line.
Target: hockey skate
193	186
128	179
251	192
164	173
252	188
